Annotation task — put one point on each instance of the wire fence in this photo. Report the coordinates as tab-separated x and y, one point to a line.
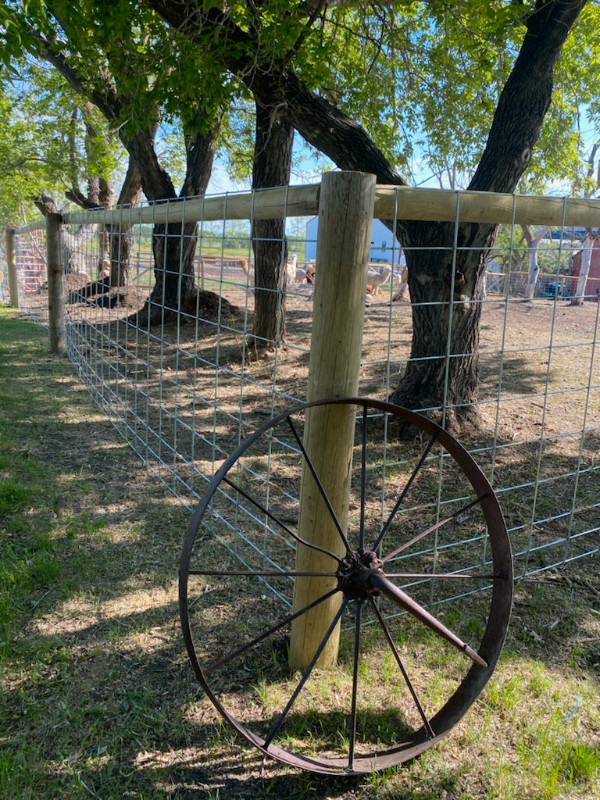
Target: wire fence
185	389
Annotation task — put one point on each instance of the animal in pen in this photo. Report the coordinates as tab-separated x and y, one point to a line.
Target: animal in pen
293	272
376	278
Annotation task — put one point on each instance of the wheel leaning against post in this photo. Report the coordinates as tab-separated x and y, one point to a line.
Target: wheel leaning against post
421	586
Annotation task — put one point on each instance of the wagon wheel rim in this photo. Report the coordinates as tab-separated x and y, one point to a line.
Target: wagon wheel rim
368	579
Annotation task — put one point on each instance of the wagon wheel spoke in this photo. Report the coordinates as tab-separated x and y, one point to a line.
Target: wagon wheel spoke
353	707
320	486
406	489
433	528
262	573
305	676
266	634
276	519
470	576
402	669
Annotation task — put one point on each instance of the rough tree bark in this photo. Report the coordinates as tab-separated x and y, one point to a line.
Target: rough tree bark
441	289
271	167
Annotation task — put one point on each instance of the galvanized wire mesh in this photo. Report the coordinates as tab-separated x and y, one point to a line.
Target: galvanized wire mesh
185	390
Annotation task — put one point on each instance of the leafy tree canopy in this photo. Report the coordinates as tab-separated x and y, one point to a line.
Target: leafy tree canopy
422	79
51	141
132	66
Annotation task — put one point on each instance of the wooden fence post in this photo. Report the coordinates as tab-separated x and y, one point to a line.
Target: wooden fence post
345	218
56	292
11	264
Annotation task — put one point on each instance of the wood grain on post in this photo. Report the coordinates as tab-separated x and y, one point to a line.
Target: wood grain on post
343	246
11	264
56	293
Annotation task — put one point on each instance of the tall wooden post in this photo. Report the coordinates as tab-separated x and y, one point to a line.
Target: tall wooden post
345	218
56	292
11	264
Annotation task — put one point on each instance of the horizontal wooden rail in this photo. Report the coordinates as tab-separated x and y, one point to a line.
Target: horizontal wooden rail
400	202
36	225
441	205
287	201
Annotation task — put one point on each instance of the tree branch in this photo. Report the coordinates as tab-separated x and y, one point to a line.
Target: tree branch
46	204
105	99
525	97
278	87
76	196
313	15
13	165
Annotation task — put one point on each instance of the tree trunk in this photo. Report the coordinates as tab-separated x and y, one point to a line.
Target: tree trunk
271	167
173	244
533	246
115	241
584	270
120	237
101	195
173	248
442	374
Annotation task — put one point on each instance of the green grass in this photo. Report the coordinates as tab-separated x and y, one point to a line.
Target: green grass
97	699
64	708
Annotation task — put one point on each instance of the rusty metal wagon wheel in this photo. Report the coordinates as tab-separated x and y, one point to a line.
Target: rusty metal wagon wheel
422	577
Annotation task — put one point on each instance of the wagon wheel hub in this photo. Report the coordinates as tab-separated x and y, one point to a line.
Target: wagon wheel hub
355	572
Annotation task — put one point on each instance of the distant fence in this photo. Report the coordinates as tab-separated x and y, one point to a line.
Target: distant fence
184	390
512	284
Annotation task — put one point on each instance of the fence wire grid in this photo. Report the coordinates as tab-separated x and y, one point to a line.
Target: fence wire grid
184	390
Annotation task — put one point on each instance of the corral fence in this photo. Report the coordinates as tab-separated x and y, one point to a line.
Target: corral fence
184	390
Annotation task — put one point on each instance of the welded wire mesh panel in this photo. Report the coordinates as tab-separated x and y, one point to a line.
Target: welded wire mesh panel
166	326
30	259
4	288
410	502
537	426
163	335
